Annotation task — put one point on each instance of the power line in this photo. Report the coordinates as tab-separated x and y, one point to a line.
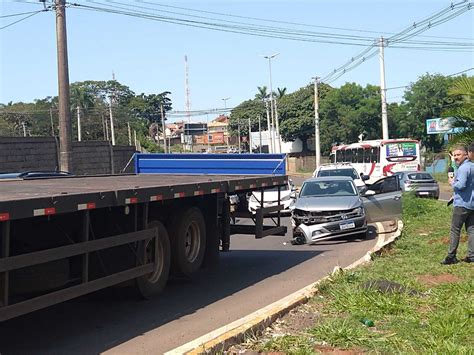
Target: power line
24	18
280	21
449	75
19	14
247	29
402	36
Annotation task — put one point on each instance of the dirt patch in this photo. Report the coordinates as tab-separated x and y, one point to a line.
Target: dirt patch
296	321
293	323
446	240
434	280
334	351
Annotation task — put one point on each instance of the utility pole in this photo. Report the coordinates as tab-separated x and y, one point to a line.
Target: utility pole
106	128
164	127
52	123
135	139
79	133
24	128
65	126
383	91
238	132
129	134
112	131
250	137
270	134
317	144
260	133
274	118
277	126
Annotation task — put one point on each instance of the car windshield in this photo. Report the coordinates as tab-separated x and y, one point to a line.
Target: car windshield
420	176
339	172
328	188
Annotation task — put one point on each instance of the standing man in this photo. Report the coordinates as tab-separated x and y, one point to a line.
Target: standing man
463	212
470	152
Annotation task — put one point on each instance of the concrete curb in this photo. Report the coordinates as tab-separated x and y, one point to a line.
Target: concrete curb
235	332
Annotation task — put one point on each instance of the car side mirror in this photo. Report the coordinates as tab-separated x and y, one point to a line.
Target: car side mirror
364	177
369	193
293	194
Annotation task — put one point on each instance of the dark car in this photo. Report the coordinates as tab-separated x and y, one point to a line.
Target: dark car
422	184
34	175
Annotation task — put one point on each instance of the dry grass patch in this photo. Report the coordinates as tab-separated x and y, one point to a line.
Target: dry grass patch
435	280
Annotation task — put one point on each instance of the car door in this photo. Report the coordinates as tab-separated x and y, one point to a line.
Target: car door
385	204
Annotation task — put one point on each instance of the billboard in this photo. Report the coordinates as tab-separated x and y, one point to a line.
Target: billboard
400	149
441	126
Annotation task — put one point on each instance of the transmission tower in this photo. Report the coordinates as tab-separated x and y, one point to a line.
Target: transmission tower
186	88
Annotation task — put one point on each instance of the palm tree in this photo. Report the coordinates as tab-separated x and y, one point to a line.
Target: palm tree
462	91
262	93
281	92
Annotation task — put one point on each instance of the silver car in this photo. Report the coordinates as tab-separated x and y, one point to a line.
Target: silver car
419	182
329	207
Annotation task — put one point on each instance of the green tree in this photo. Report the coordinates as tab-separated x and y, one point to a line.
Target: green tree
262	93
426	98
280	93
462	93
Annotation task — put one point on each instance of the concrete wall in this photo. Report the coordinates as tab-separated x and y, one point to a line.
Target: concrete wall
27	153
304	164
41	153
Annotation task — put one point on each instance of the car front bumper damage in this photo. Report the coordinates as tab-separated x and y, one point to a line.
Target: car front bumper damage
311	233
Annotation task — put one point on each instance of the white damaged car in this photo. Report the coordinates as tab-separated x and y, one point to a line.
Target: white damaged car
329	207
270	198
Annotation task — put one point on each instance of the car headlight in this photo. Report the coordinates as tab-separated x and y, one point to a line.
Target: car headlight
359	211
285	198
253	198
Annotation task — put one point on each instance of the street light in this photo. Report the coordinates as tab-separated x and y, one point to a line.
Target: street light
225	101
274	117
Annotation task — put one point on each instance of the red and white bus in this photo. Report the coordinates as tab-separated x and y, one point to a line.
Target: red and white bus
379	158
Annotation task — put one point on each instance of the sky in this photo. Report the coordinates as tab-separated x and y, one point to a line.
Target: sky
148	56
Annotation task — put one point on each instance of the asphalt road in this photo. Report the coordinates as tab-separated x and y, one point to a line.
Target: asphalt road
254	274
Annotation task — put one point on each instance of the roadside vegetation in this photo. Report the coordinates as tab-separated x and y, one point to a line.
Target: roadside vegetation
416	304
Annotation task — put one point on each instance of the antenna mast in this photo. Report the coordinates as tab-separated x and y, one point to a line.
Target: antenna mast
186	88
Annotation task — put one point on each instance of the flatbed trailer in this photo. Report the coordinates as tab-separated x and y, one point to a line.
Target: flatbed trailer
61	238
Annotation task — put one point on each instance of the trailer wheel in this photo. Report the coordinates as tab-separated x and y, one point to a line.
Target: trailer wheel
155	250
188	241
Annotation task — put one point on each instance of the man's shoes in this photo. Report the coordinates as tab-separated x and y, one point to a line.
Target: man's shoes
468	259
450	260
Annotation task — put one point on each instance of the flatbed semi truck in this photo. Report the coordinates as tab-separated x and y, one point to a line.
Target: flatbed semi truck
65	237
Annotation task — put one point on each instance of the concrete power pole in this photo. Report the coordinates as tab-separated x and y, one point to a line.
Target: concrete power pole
164	127
269	126
383	92
112	130
65	126
52	122
250	136
129	134
79	133
317	143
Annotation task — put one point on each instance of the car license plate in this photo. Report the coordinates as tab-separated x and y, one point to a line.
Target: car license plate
345	226
424	193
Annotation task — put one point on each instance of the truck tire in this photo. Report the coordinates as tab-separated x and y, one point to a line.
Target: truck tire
188	241
152	284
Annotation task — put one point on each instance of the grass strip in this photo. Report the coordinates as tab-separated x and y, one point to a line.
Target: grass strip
431	311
